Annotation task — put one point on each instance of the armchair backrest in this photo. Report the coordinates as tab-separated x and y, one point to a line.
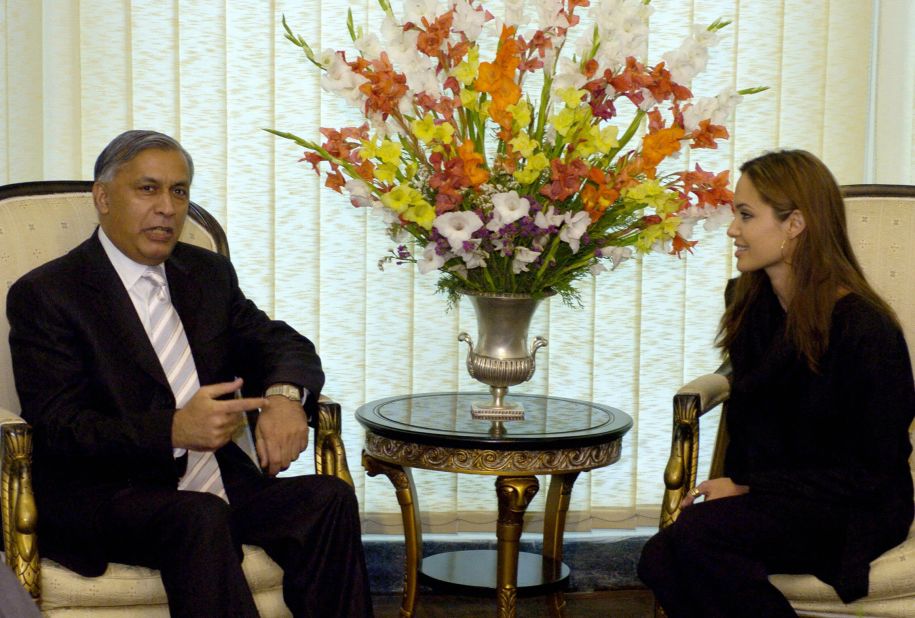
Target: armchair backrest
40	221
881	225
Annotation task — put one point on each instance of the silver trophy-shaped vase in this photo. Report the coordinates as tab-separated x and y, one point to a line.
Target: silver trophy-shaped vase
501	357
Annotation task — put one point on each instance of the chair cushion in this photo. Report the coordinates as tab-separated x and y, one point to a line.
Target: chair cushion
133	587
889	593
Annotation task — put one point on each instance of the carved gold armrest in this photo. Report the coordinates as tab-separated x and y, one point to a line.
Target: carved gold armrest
690	403
330	454
17	503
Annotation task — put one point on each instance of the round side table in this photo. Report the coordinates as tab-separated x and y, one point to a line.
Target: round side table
434	431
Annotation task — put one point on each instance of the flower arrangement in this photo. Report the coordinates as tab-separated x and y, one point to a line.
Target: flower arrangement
500	191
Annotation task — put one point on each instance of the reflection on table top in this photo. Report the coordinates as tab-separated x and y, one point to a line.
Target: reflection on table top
444	419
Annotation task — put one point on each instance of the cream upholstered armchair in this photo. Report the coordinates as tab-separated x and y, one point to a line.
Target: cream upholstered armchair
40	221
881	224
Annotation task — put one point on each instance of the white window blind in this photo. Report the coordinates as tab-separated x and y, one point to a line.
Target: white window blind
75	73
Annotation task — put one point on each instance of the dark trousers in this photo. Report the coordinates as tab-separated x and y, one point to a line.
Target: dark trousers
309	525
716	558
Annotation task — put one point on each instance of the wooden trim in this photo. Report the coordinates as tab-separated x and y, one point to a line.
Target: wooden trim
907	191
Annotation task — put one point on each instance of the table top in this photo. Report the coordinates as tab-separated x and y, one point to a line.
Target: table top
443	419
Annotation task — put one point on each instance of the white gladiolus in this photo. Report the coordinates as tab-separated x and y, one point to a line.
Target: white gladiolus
616	254
514	13
340	79
430	260
457	227
623	30
691	57
549	14
370	46
359	193
415	10
522	259
474	258
468	20
507	208
568	75
717	109
575	227
548	219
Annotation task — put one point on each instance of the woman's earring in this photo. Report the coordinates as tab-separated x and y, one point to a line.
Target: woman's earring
781	251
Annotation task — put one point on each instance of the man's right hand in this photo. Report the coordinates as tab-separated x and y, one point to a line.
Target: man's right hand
206	423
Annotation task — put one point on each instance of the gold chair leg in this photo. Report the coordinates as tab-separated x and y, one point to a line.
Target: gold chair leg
20	515
558	499
515	494
330	454
402	479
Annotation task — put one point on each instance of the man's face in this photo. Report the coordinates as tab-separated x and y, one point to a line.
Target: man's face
142	209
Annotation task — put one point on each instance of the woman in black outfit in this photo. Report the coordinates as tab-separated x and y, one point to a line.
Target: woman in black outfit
816	478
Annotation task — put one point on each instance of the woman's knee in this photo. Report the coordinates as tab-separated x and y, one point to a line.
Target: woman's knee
656	562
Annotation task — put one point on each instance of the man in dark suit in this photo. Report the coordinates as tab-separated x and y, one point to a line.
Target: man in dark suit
126	354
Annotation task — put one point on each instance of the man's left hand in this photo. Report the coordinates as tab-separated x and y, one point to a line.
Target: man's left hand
281	434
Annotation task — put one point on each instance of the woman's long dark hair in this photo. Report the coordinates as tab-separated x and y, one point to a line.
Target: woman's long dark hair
823	264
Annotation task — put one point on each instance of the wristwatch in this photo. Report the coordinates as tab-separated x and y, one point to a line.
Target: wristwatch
289	391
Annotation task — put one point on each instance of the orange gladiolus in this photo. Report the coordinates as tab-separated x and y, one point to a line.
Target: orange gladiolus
598	195
476	174
706	134
658	145
498	78
384	88
680	245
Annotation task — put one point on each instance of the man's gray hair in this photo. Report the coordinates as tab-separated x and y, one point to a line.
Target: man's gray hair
128	145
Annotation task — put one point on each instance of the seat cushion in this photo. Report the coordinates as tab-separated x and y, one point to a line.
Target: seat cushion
890	592
138	591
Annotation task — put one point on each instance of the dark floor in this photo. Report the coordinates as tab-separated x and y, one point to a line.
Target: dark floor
606	604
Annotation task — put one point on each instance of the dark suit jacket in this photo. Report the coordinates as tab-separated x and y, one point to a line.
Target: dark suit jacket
92	387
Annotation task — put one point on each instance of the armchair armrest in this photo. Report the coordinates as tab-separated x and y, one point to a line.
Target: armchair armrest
691	402
18	514
330	454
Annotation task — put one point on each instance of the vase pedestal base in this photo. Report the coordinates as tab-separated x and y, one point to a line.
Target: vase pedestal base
487	411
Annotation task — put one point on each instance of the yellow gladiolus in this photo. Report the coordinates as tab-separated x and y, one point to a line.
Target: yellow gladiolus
421	213
386	172
571	96
523	144
470	99
424	128
398	198
521	114
531	172
651	193
387	151
564	121
466	72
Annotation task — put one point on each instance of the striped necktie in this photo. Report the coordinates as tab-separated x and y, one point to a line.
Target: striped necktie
166	333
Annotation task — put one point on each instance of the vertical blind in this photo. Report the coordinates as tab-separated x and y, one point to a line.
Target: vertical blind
213	73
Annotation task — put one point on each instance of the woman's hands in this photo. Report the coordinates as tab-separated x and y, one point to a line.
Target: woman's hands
713	489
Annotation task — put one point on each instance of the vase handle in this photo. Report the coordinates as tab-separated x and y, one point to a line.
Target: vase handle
466	339
536	344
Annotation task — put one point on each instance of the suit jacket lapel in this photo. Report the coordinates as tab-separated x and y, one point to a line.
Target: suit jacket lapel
187	297
185	293
113	304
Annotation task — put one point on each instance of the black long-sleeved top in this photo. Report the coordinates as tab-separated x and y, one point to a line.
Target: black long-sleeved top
839	436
